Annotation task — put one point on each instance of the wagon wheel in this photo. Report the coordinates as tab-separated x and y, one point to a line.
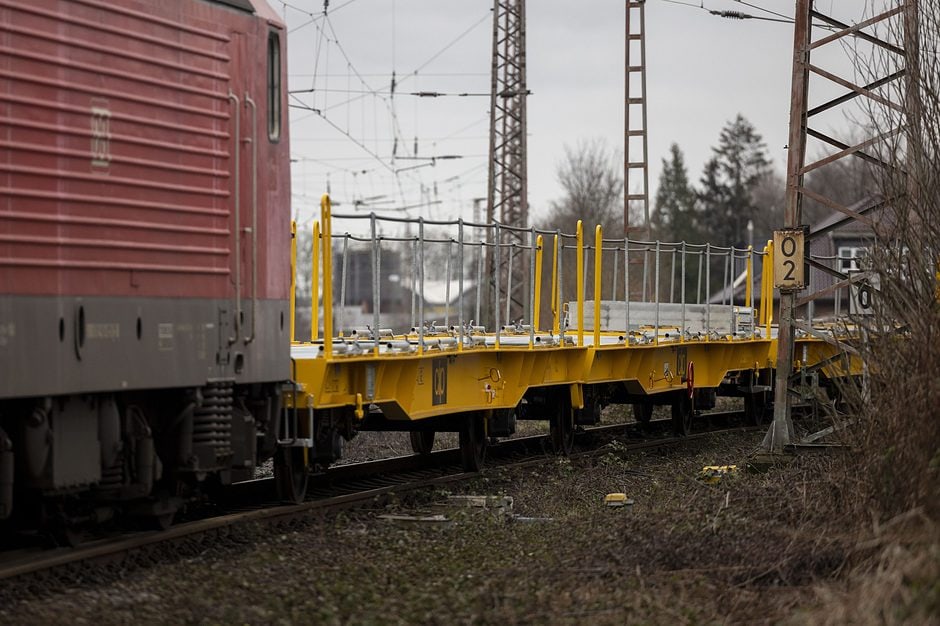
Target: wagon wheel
422	441
682	410
755	408
162	521
58	528
290	474
643	412
68	535
472	443
561	428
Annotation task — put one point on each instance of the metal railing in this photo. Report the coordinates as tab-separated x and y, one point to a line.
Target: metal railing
659	287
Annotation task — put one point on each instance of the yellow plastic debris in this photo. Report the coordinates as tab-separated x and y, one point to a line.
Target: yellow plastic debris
712	474
617	499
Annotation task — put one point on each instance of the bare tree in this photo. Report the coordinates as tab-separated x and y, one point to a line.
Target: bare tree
593	186
591	177
900	343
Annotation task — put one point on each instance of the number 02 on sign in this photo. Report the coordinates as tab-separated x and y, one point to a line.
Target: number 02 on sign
788	259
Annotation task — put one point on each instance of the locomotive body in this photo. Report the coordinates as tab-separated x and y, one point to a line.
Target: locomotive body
144	264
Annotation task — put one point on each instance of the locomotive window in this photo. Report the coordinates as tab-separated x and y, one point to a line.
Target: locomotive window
274	87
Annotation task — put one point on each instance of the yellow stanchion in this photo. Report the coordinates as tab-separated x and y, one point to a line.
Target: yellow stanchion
326	232
580	239
537	305
598	263
315	285
293	275
556	305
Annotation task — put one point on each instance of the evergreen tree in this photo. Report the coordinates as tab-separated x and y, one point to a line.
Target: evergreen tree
675	220
729	180
674	217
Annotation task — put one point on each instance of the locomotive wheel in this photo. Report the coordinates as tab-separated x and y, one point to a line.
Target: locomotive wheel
422	442
682	410
472	443
561	429
643	413
290	474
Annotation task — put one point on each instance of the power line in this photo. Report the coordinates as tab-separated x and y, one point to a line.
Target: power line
738	15
686	4
406	181
754	6
340	130
735	15
390	139
447	47
388	76
418	94
314	17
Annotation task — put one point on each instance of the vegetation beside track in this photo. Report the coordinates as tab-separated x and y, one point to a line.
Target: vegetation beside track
754	547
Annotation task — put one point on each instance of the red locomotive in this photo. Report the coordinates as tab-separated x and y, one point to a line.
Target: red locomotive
144	252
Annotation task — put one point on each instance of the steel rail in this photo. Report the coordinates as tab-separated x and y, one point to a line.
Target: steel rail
342	487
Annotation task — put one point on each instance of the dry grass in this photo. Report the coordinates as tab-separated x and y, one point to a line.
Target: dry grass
891	482
753	548
897	583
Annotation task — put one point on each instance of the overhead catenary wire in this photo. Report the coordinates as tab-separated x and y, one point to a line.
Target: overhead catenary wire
759	8
351	138
419	94
314	17
407	181
369	91
780	18
386	76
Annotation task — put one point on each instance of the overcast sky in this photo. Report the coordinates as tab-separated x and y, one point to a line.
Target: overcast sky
702	71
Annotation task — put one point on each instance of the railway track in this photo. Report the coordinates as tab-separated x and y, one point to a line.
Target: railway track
342	487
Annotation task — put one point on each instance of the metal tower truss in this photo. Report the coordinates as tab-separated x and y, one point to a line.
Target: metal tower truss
635	125
829	56
507	195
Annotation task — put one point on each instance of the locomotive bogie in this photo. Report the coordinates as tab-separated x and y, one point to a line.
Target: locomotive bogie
134	447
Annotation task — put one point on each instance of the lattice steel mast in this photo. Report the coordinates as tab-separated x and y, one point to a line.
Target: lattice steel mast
635	125
901	18
507	195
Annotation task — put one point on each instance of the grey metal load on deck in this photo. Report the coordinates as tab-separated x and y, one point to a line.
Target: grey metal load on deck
722	319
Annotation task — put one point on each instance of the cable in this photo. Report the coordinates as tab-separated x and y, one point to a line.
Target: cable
389	139
314	17
389	103
407	181
386	75
417	94
351	138
738	15
686	4
735	15
447	47
754	6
